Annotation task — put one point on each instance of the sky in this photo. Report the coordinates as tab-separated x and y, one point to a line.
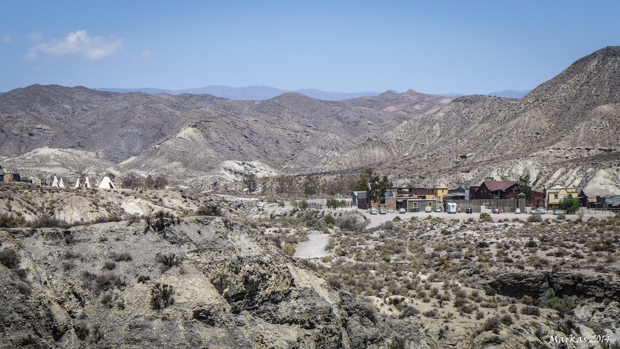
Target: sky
465	47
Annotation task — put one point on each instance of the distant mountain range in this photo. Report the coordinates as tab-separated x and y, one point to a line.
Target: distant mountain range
261	93
250	93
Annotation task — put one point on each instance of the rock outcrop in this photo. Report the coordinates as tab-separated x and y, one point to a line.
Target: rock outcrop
535	284
195	282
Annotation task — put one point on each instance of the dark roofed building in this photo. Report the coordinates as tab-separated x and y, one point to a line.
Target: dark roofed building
589	197
497	190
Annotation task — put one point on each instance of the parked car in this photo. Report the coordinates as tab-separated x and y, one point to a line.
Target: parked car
556	212
496	210
437	209
428	209
382	211
517	211
538	211
373	211
469	210
402	210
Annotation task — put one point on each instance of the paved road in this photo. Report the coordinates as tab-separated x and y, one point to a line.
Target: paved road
377	220
314	247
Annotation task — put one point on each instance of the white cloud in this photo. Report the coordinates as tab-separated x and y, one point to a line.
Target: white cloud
7	39
146	54
36	36
77	44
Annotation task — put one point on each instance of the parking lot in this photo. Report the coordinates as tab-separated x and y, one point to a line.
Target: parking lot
378	219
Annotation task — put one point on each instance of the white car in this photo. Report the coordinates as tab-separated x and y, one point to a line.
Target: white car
382	211
517	211
373	211
402	210
428	209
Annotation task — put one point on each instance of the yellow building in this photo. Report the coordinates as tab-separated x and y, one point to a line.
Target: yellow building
557	193
439	192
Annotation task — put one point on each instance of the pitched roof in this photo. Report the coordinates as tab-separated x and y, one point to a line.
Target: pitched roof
593	193
499	185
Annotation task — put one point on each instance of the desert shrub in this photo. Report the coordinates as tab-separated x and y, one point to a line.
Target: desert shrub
209	210
512	308
288	249
9	258
350	223
431	313
168	260
161	296
507	320
10	221
530	310
110	265
534	218
409	311
106	300
46	221
489	291
531	243
106	282
492	324
561	216
562	305
121	257
70	255
328	219
485	217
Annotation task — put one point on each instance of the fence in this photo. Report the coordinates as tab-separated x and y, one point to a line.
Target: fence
506	205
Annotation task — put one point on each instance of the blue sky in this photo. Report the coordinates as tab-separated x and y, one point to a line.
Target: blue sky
432	46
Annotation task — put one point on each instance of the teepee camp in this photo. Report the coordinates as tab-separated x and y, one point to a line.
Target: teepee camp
106	183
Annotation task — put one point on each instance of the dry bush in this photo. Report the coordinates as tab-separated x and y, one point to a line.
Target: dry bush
9	258
122	257
162	296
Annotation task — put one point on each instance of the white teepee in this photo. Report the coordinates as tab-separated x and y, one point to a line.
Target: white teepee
106	183
55	182
87	183
61	184
77	183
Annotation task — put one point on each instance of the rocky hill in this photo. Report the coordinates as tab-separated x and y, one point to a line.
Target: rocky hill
161	133
409	102
563	132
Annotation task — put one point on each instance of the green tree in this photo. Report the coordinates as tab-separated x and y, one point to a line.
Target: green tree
378	188
523	184
311	184
364	179
249	181
160	182
569	204
303	204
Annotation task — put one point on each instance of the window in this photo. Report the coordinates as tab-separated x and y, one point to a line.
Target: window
555	196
